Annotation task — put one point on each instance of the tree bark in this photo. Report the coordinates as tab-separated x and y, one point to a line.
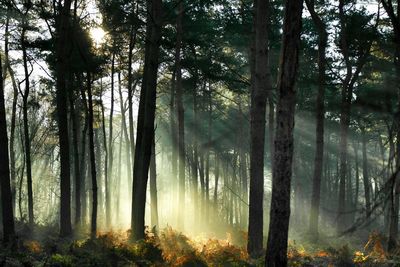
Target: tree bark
283	149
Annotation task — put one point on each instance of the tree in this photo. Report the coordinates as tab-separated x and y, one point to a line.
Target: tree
6	196
320	117
93	173
354	61
25	96
153	189
180	112
283	147
394	16
261	88
146	116
62	48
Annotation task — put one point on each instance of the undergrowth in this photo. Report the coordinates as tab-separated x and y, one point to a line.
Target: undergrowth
172	248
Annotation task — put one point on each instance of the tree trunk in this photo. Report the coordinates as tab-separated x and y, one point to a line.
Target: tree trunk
62	118
13	109
27	138
124	129
195	161
83	162
283	149
394	16
216	186
77	169
320	116
110	145
6	197
153	189
261	87
93	222
357	175
146	116
118	184
104	202
344	122
132	42
180	115
202	184
365	174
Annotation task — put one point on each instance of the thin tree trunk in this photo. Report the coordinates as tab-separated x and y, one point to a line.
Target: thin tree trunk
357	175
132	42
216	186
93	224
77	169
365	174
283	150
110	145
202	183
180	115
195	161
118	184
106	148
153	189
27	138
320	116
13	109
208	147
83	162
125	134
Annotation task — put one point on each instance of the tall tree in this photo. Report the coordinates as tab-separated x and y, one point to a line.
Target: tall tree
62	54
14	105
365	172
25	97
283	147
260	89
354	61
110	141
180	112
320	117
392	8
93	173
6	197
146	116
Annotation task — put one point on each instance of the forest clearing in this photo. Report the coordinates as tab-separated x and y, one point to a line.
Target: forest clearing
199	133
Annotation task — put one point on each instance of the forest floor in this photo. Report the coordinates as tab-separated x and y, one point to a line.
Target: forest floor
171	248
